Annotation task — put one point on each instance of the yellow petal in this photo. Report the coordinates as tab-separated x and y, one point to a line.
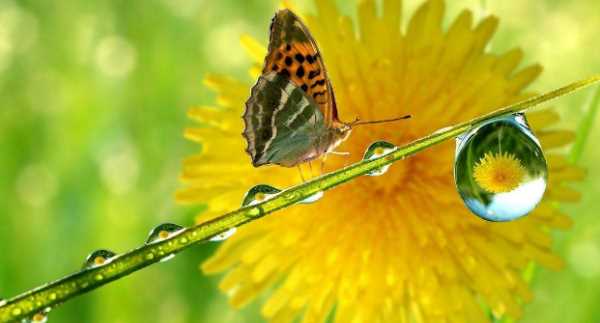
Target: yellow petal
255	49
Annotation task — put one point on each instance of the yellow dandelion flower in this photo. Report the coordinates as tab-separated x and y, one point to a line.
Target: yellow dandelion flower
395	248
499	173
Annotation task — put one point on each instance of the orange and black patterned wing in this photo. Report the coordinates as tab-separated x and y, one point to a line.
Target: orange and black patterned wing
293	53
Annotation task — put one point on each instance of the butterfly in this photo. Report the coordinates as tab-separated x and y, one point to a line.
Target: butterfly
291	116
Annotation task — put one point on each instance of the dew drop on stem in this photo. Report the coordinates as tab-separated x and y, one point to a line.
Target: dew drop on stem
376	150
499	169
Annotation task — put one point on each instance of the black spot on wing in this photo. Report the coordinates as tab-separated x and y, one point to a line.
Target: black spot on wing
313	74
288	61
317	94
320	82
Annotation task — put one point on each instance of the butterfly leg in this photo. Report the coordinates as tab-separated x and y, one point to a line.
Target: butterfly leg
323	158
343	154
310	168
340	153
301	175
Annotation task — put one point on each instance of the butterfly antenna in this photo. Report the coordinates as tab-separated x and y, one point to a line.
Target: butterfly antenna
357	122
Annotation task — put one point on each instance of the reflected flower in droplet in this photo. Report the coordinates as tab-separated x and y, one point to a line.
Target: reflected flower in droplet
163	231
376	150
39	318
259	193
500	170
99	258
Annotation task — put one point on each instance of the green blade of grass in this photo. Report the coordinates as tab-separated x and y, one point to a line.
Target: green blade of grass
585	128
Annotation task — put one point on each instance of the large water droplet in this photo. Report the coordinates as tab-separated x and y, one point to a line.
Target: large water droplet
259	193
376	150
163	231
500	170
224	235
99	258
2	301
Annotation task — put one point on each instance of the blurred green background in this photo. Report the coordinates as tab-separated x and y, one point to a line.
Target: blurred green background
93	97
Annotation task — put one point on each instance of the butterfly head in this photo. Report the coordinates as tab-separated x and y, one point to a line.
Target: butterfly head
342	132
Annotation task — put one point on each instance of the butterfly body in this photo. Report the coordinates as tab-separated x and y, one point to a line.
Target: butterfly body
291	115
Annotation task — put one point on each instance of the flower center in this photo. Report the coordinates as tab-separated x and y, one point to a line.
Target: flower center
163	234
499	173
379	151
99	260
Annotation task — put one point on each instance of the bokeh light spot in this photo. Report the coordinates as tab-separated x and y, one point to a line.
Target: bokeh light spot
115	56
36	185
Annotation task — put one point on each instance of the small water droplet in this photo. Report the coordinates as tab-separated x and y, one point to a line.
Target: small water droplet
52	296
254	212
39	318
442	130
290	195
16	311
99	258
99	277
163	231
376	150
259	193
500	170
313	198
223	235
167	258
149	256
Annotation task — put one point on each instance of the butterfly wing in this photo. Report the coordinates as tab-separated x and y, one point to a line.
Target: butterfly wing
282	124
293	53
